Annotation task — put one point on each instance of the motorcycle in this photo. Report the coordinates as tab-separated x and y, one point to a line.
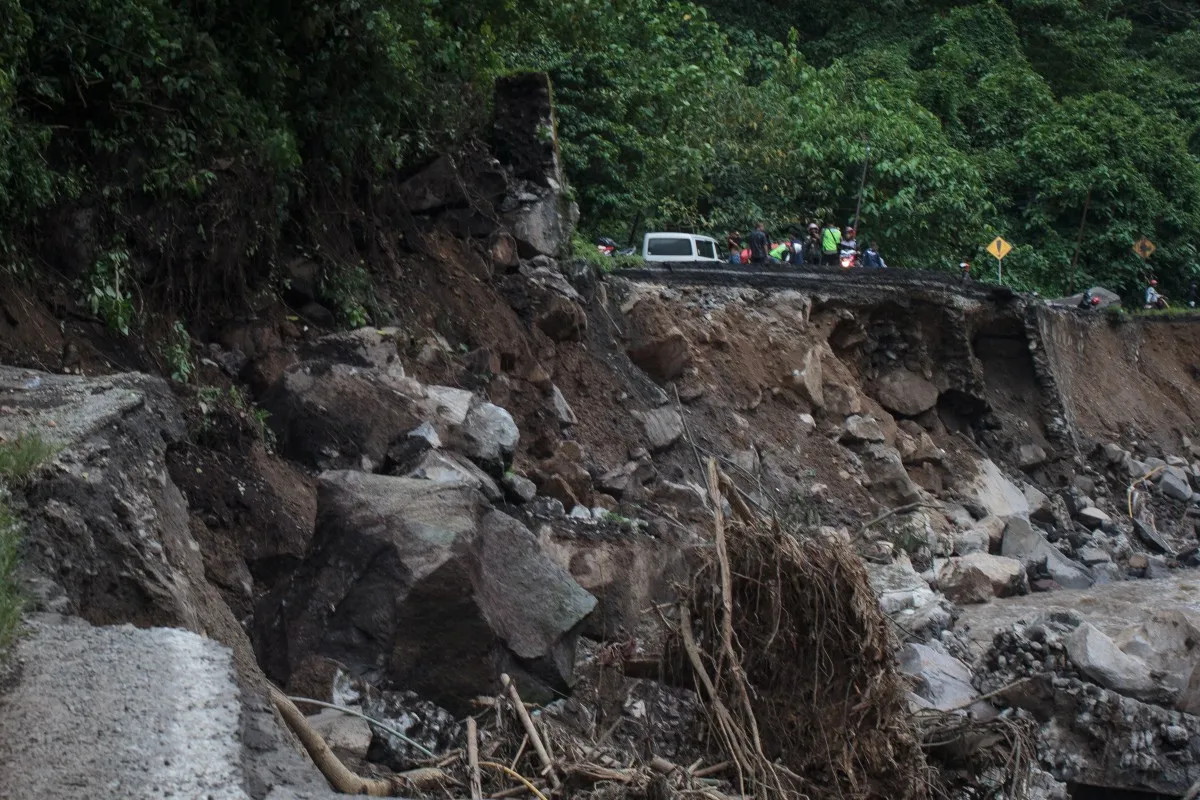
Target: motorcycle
610	248
848	259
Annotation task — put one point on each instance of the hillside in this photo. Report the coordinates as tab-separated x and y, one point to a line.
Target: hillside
193	149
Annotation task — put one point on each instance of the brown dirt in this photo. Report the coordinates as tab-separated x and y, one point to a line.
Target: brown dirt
1137	380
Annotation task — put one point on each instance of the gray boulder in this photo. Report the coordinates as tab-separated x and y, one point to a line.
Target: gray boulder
861	430
662	427
1098	657
978	577
906	597
1175	484
942	680
1027	545
489	436
415	582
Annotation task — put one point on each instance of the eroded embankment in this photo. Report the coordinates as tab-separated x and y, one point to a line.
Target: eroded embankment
1124	379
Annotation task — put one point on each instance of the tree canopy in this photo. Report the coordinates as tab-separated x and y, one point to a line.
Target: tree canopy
970	119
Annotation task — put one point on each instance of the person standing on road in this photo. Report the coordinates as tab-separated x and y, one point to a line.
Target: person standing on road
1193	294
831	239
760	245
734	244
812	245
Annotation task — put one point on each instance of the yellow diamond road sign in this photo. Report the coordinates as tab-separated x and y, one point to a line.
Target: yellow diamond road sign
999	248
1144	248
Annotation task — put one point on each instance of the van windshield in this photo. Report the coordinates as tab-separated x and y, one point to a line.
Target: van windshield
669	246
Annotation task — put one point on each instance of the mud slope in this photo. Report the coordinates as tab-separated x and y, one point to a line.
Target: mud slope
1130	380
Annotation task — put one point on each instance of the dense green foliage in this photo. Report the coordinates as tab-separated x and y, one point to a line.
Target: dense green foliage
204	131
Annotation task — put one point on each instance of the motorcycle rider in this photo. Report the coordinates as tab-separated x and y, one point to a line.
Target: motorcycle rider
848	247
1088	301
831	237
1153	298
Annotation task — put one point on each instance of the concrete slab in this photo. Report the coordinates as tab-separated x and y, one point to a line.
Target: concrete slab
120	713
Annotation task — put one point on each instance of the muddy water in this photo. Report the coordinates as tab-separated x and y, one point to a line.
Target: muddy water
1111	607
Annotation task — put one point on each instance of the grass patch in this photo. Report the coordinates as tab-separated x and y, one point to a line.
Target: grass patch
18	461
11	601
19	458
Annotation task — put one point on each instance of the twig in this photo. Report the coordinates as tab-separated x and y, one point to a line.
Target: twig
360	715
893	512
520	751
527	721
687	431
515	776
473	758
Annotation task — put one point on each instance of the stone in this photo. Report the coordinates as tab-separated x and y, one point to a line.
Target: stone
543	226
978	577
994	526
489	436
664	358
1176	461
906	597
905	392
1092	518
974	540
1027	545
1093	555
417	583
808	380
1030	456
1114	454
1098	657
520	487
561	319
502	249
1175	484
1041	508
627	480
805	424
889	481
343	732
564	476
452	468
943	681
861	430
338	416
443	183
995	493
688	499
662	427
562	409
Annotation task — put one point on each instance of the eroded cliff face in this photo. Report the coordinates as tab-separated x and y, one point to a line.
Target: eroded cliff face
511	478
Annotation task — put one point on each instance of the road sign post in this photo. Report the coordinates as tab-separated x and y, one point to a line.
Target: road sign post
999	248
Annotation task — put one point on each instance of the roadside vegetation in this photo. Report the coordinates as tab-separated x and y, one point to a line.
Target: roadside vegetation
18	460
190	141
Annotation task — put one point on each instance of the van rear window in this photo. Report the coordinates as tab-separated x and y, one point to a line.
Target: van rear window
705	249
667	246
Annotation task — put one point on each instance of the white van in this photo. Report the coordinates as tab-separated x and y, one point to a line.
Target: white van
680	247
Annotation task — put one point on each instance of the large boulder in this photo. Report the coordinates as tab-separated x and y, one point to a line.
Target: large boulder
662	357
1027	545
904	392
996	494
1175	484
942	680
416	582
906	597
489	435
977	577
329	415
1098	657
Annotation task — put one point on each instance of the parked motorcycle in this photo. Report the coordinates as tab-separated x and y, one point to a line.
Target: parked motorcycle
610	248
849	259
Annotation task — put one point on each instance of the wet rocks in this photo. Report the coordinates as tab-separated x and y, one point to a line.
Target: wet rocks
978	577
1026	544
